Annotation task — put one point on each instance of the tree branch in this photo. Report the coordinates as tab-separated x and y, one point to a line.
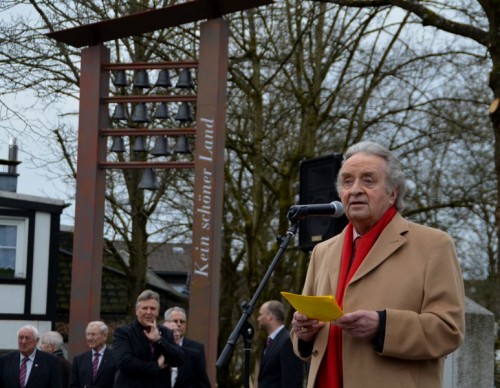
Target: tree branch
428	17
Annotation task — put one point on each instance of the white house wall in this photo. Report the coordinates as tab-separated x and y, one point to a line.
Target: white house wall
12	299
40	264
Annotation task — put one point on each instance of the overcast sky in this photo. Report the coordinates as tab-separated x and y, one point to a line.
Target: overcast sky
32	180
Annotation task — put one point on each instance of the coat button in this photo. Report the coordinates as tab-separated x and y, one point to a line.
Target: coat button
315	353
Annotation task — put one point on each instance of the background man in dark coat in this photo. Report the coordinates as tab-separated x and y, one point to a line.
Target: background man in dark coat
42	369
145	351
177	315
53	342
82	372
279	366
192	373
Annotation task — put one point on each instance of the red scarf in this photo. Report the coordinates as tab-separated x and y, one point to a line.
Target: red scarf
330	371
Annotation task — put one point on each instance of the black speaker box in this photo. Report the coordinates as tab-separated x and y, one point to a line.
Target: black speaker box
318	179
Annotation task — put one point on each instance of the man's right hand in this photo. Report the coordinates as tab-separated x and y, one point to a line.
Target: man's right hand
304	328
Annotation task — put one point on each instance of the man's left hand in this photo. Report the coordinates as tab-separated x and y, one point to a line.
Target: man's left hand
361	324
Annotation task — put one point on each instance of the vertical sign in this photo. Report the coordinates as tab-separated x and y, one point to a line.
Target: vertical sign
209	187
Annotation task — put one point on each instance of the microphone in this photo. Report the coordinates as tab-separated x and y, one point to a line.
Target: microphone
333	209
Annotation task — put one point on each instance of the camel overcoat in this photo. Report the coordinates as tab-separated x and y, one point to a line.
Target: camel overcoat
413	274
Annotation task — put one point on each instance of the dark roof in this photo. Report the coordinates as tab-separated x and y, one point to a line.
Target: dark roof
171	258
164	258
113	291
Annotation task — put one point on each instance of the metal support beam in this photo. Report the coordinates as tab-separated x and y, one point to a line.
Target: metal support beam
85	302
209	187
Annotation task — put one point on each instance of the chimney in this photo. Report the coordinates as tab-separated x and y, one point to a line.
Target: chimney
8	179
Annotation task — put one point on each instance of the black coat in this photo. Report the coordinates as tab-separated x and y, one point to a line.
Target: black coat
279	366
192	373
45	372
192	344
137	365
65	367
81	371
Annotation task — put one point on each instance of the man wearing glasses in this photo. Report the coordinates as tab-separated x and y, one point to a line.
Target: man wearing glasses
29	367
175	319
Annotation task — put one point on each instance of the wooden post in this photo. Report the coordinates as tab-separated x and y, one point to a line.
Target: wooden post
85	302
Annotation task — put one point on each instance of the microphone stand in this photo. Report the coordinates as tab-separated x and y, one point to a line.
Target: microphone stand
243	327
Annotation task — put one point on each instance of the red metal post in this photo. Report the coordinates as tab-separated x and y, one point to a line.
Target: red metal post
209	187
85	302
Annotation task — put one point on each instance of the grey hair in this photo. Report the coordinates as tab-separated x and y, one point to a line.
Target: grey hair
52	338
32	328
395	174
147	295
169	311
101	325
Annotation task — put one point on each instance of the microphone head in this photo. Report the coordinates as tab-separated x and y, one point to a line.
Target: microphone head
339	208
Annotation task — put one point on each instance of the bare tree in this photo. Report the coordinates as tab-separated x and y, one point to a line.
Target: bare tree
477	23
308	80
49	69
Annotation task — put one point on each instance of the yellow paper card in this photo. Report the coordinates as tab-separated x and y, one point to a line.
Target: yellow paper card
322	308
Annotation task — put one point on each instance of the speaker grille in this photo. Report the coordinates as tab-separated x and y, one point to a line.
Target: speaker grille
317	185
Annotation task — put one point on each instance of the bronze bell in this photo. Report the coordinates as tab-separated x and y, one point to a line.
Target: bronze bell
161	147
120	78
118	145
141	79
141	114
163	79
182	145
148	180
139	144
161	111
185	80
184	112
119	113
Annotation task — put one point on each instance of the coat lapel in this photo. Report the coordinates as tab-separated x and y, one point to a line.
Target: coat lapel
88	365
35	369
273	346
333	265
391	238
143	340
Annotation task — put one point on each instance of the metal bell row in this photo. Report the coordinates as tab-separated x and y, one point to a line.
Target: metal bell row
141	79
160	147
140	113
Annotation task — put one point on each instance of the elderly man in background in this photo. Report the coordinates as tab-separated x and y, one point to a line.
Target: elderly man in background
53	342
398	282
192	373
95	367
29	367
178	318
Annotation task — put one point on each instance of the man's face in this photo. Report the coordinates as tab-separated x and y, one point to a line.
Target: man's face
179	319
95	338
147	312
26	341
49	348
363	190
263	318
